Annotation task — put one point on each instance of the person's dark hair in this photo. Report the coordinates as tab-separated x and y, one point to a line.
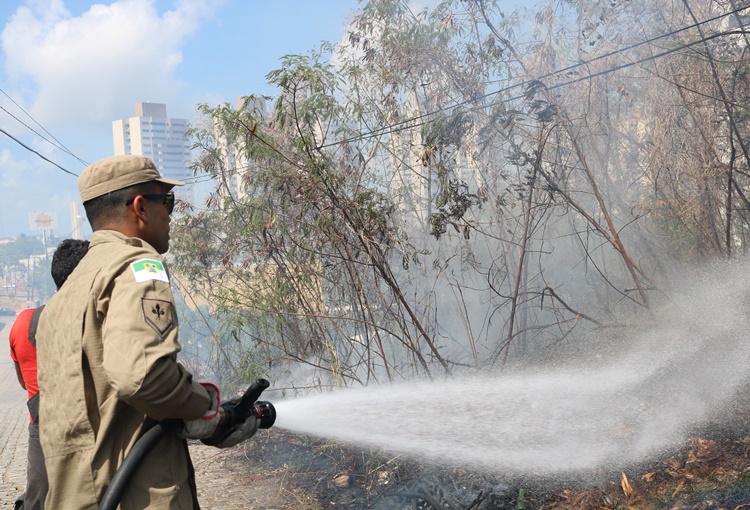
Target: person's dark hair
111	206
67	256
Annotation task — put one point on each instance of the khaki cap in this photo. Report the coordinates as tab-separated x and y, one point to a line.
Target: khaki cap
118	172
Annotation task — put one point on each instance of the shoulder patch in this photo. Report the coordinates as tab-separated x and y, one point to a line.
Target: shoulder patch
158	314
149	269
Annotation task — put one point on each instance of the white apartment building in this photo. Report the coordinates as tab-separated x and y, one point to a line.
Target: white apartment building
152	134
236	164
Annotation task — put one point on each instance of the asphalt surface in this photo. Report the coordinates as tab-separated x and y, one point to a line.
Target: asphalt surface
14	424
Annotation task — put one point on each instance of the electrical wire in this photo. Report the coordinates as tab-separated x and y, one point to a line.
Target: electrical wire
409	123
58	143
387	129
642	43
19	142
62	148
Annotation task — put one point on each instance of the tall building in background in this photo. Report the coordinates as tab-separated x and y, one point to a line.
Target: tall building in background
76	221
237	166
162	139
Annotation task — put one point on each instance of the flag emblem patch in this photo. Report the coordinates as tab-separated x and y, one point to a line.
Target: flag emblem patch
149	269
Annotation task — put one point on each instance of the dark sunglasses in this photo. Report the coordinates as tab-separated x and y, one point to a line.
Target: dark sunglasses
167	197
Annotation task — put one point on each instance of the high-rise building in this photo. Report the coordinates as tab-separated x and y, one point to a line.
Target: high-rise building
236	165
76	221
152	134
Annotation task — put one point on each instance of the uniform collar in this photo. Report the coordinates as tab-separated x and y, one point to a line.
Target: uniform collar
113	236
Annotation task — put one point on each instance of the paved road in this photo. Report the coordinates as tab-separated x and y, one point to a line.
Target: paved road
13	425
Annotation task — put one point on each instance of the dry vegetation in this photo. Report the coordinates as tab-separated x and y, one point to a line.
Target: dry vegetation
702	474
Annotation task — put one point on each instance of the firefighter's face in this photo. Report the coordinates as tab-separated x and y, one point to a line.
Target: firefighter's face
156	229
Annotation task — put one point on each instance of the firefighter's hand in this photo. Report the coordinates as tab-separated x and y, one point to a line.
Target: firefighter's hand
205	425
241	432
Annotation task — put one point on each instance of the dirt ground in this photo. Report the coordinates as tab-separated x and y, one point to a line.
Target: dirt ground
278	470
281	471
227	480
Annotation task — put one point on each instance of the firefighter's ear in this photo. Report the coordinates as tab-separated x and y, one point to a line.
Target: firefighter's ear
138	208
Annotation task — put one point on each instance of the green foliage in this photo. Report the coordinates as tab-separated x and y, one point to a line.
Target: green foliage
446	131
21	248
452	202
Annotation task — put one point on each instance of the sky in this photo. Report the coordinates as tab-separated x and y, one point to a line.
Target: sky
68	68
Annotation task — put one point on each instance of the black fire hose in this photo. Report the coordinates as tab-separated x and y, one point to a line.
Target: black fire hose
233	413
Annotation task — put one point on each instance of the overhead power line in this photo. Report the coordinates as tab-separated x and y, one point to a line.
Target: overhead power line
410	123
61	147
57	143
19	142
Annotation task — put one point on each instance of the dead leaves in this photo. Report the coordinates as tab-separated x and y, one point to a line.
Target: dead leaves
703	460
600	499
704	465
627	489
427	155
446	23
594	499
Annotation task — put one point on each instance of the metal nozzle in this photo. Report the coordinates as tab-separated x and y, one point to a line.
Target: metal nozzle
250	405
266	413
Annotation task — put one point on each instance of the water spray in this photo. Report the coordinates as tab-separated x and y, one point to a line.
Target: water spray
623	400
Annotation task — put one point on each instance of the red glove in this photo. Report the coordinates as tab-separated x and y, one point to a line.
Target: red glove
205	425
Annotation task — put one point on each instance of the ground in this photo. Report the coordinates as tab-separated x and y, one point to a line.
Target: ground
226	480
285	471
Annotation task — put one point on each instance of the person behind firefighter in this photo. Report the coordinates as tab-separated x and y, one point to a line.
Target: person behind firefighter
22	340
107	353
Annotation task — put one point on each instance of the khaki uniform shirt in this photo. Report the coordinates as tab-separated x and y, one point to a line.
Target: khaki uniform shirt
107	346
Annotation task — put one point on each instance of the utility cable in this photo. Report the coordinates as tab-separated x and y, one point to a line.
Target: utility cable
394	128
641	43
400	126
19	142
61	147
58	143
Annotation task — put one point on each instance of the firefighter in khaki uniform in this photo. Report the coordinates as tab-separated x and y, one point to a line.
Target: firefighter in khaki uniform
107	346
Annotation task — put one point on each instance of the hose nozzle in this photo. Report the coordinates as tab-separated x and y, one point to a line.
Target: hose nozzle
236	411
265	412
